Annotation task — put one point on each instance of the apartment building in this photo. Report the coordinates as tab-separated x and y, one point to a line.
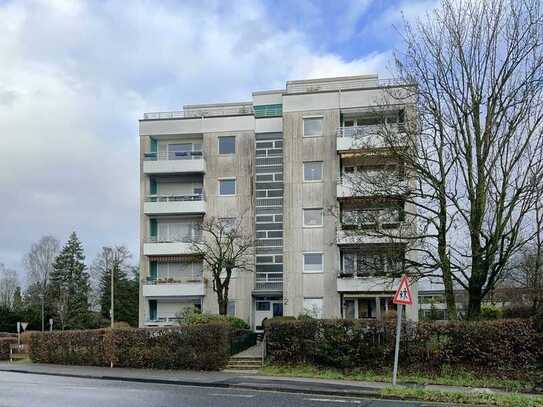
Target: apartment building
280	162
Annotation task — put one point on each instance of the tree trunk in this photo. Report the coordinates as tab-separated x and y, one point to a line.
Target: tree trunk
474	303
223	306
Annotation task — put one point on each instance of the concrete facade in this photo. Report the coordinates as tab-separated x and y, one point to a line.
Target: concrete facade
299	251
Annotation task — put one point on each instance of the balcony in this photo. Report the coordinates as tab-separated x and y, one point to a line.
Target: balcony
268	285
174	204
367	284
354	186
174	162
188	287
369	137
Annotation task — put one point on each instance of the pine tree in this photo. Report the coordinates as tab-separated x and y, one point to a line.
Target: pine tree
70	286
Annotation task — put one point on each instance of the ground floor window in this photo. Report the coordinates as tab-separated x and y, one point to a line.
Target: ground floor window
313	307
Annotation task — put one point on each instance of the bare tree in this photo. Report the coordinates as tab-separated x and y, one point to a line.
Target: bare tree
474	147
9	284
225	247
39	265
527	271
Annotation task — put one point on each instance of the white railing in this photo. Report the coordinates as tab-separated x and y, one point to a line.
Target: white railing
173	155
189	238
163	320
195	278
198	113
269	285
174	198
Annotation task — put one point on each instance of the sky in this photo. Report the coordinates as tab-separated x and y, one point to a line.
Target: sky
76	76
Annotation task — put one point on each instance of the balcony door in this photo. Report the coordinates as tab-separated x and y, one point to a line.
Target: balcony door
179	151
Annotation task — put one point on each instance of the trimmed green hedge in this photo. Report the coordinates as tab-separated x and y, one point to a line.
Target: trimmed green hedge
498	345
198	347
5	343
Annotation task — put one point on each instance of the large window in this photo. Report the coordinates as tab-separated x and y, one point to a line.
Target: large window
313	127
227	145
178	272
313	217
313	171
313	307
371	264
313	263
227	186
180	231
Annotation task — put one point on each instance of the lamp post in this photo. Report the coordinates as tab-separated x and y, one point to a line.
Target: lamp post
111	310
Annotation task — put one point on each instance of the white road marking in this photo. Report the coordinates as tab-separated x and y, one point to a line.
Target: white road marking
336	401
247	396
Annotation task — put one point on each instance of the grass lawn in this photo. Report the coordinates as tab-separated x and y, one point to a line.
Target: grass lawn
447	376
506	400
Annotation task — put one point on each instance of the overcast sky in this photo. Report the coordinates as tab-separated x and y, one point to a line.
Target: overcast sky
76	76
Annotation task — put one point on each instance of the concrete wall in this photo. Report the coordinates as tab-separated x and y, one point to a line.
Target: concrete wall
300	195
240	166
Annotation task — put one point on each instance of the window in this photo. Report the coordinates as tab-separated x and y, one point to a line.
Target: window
179	151
227	145
263	306
313	127
313	217
231	309
313	307
313	171
227	187
313	263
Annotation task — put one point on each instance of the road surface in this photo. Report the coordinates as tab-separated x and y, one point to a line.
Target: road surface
27	390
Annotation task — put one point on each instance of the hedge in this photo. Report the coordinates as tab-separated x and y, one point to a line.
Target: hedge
498	345
198	347
5	342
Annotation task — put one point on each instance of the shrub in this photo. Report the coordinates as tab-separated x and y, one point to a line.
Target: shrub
498	345
490	312
190	317
198	347
5	342
520	311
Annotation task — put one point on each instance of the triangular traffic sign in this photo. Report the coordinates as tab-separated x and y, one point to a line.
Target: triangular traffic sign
24	325
403	296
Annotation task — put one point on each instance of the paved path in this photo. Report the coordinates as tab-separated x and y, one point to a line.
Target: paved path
252	352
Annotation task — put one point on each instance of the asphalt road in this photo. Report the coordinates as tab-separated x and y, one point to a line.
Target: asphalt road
26	390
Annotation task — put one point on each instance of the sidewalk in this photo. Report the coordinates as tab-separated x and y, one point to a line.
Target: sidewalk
228	379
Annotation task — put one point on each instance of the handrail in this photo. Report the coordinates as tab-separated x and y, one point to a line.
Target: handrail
174	198
184	280
173	155
181	239
367	130
199	113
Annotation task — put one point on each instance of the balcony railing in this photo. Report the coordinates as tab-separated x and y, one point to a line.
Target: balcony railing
197	113
173	155
269	285
196	278
189	238
175	198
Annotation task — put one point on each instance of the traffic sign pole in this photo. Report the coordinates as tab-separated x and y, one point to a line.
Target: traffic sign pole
402	297
397	349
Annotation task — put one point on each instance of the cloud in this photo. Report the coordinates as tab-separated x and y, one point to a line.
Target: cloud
76	77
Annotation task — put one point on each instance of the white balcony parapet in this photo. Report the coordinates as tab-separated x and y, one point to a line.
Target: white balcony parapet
174	204
268	285
368	137
367	284
189	287
174	162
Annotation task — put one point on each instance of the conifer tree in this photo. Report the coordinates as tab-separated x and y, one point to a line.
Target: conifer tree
70	286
